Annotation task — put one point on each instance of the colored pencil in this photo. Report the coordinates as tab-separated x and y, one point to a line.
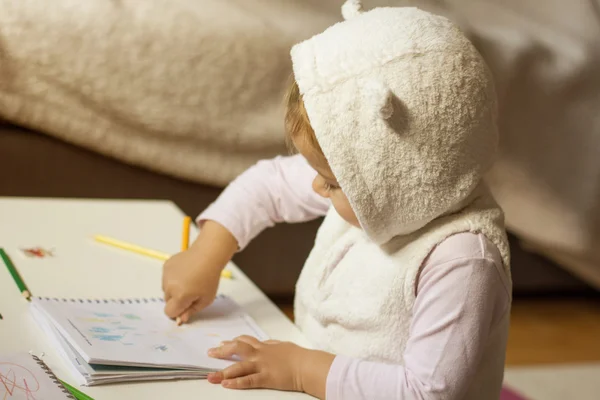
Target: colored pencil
185	234
132	247
144	251
78	394
15	274
226	274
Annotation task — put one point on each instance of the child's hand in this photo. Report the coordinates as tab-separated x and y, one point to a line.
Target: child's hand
272	365
190	284
191	278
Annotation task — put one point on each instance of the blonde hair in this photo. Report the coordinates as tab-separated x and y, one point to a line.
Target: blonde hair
297	124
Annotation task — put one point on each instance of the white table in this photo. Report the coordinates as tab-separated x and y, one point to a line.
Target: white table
84	268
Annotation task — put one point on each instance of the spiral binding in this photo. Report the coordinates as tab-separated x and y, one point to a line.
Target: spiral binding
53	377
145	300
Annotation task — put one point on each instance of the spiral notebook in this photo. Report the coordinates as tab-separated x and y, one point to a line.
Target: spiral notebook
24	377
119	340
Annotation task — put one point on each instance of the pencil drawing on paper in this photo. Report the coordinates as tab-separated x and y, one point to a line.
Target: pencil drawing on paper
103	315
108	338
107	325
127	329
17	382
99	329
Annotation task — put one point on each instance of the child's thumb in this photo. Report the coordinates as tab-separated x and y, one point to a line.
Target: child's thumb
176	305
196	306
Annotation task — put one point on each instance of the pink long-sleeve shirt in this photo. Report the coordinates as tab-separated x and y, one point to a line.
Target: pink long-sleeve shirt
462	290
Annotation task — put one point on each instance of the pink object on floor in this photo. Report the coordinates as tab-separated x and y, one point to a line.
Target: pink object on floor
508	394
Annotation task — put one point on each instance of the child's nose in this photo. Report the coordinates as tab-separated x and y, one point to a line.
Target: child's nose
319	187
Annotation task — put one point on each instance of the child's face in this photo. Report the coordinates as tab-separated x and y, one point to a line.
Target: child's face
325	183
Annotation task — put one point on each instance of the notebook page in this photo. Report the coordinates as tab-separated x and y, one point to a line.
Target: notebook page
94	374
137	333
22	378
78	367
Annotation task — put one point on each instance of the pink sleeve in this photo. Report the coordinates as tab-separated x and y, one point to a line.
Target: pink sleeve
459	302
272	191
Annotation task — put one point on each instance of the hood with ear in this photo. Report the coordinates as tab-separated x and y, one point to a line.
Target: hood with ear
404	109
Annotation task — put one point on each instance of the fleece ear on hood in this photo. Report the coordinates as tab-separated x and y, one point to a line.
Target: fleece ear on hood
404	109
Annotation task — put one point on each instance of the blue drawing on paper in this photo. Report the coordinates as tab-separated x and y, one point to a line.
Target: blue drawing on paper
131	316
108	338
99	329
125	328
103	315
128	328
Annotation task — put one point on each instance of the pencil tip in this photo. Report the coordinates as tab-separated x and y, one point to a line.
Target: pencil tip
178	321
226	274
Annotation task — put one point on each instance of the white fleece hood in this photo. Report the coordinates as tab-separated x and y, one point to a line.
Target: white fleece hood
404	109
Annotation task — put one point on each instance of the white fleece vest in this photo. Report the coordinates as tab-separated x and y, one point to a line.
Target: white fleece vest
404	110
355	298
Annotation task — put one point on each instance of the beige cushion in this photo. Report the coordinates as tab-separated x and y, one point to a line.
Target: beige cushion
191	88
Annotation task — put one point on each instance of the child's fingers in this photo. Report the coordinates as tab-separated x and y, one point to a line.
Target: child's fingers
196	306
215	377
187	314
176	305
252	341
184	317
241	369
235	348
252	381
271	341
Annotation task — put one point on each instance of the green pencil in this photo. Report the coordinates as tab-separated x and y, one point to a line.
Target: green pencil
79	395
15	274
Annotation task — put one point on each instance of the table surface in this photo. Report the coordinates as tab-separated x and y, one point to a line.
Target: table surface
81	267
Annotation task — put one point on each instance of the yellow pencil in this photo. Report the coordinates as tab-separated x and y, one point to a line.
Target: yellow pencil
185	235
132	247
143	251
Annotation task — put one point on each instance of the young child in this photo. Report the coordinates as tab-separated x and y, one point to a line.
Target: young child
406	293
